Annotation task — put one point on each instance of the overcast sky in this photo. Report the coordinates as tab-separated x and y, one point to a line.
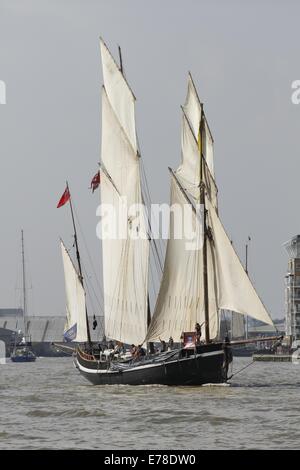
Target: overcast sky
243	57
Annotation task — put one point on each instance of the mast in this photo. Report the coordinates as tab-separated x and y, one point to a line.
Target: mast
120	57
24	285
246	269
79	263
202	203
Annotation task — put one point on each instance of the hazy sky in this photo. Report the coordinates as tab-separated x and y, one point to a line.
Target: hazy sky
243	57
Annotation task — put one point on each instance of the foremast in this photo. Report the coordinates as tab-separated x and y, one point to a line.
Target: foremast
88	333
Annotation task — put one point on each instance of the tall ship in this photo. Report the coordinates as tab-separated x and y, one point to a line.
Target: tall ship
22	350
202	274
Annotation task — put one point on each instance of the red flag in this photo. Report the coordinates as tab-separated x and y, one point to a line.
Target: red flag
95	181
65	198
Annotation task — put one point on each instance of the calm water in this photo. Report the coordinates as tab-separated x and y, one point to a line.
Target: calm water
48	405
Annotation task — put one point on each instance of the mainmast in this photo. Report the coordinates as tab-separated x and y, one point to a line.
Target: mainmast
79	263
24	285
246	269
202	203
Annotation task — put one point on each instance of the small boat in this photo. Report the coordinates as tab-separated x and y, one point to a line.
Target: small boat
202	274
23	354
22	351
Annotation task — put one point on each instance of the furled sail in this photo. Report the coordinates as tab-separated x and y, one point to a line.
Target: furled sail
125	244
75	328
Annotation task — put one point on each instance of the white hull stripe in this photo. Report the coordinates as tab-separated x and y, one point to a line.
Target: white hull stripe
146	366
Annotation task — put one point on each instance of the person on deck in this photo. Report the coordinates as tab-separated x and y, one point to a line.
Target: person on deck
198	331
227	356
163	345
139	352
170	343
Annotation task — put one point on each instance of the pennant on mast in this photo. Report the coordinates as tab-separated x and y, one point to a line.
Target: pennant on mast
64	198
95	182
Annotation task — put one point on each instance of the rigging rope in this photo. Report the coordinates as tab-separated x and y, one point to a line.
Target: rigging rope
243	368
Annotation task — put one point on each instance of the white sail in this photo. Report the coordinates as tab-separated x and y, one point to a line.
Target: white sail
180	302
193	110
235	290
208	148
76	327
192	107
119	94
125	253
189	172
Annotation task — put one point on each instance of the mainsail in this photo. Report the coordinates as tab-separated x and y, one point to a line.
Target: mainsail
76	327
125	253
180	302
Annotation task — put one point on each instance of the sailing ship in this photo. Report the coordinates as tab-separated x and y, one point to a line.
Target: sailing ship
202	273
22	351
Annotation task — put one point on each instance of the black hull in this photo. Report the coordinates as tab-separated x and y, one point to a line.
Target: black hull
208	365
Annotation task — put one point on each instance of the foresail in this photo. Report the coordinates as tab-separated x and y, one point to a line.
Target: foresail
180	301
76	327
235	290
125	244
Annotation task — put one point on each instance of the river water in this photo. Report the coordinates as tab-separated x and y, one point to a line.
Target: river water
48	405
